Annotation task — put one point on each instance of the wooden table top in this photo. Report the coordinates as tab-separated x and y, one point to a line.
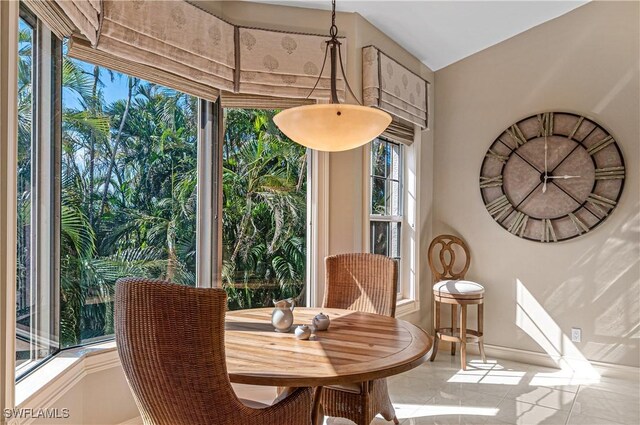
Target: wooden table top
357	347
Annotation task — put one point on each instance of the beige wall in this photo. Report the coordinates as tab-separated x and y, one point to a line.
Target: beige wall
587	62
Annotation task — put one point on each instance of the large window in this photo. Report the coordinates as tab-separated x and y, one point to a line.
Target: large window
385	219
264	211
128	192
108	173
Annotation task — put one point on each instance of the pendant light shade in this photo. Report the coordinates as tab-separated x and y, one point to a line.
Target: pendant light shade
332	127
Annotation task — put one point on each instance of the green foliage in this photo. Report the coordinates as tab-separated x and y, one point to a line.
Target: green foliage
129	184
264	244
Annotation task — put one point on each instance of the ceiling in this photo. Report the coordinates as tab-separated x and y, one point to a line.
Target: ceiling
440	33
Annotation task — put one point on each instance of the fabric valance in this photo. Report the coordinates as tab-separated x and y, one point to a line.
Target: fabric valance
81	49
400	132
390	86
174	37
241	100
275	63
177	44
64	17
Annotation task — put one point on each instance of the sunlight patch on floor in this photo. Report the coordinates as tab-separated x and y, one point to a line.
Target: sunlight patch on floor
407	411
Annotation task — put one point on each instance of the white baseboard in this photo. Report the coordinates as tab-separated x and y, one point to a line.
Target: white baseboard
609	370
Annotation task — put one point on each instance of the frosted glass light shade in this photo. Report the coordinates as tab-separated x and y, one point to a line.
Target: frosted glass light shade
332	127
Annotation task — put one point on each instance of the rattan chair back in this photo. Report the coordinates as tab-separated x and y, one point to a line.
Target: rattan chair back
362	282
170	339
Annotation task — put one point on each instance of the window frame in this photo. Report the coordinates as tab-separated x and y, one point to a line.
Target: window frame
45	206
45	218
388	218
408	300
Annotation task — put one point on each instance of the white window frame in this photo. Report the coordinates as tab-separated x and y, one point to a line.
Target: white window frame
408	276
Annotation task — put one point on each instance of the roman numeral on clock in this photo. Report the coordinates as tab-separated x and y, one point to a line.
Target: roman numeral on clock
546	124
548	234
610	173
499	207
580	226
598	146
517	136
519	224
601	202
501	158
486	182
575	129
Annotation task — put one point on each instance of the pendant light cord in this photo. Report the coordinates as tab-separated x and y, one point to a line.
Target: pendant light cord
333	31
334	43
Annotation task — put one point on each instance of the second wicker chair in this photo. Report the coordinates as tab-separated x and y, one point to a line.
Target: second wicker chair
367	283
171	342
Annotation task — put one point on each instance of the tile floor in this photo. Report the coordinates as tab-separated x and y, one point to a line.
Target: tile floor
505	392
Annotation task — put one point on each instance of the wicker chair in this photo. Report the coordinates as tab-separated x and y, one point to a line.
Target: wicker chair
368	283
171	342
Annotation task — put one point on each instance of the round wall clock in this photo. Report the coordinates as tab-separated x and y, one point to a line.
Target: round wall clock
552	177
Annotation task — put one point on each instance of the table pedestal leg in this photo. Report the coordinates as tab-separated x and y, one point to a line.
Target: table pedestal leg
317	415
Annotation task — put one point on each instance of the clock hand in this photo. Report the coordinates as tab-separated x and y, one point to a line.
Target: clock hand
545	154
563	177
544	184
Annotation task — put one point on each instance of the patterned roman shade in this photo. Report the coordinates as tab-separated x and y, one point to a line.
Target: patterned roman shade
275	63
81	49
390	86
65	17
172	37
400	132
179	45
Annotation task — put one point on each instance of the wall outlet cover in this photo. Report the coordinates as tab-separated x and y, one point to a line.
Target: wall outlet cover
576	335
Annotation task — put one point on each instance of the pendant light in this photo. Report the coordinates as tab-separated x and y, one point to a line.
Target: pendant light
334	126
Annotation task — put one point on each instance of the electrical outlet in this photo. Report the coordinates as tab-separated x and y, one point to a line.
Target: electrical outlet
576	335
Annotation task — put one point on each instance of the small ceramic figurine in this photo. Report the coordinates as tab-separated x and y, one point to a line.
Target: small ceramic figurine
303	332
321	322
282	316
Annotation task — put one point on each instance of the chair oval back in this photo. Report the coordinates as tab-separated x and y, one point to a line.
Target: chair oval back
362	282
443	248
170	339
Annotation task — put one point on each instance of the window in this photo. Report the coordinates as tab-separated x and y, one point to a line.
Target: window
128	192
112	183
36	327
264	211
392	211
386	187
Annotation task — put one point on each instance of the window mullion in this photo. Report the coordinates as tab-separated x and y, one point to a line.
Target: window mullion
209	215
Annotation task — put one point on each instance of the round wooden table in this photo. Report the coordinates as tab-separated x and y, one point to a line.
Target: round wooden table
357	347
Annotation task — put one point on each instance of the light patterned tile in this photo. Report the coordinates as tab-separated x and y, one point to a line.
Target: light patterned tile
623	408
543	396
613	386
576	419
521	413
505	392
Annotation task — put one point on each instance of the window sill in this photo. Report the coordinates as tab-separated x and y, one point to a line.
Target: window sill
62	371
407	306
